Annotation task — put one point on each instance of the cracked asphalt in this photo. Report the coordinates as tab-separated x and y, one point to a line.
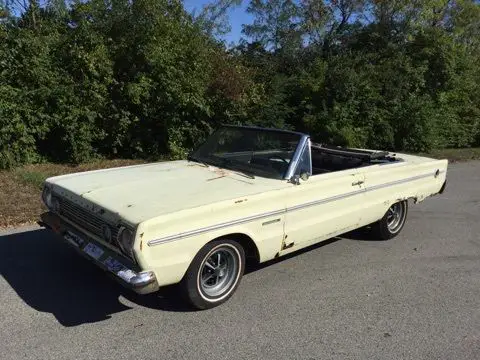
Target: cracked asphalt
414	297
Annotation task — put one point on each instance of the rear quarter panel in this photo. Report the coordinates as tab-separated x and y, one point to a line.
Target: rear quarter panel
413	178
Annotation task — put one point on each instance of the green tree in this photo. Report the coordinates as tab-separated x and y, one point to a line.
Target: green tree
144	78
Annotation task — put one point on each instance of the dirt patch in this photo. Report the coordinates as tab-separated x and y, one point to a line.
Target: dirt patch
19	202
20	189
455	155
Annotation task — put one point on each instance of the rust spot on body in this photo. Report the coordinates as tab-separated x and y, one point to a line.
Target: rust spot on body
284	247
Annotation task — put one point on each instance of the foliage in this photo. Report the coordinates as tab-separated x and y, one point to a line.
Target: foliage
81	80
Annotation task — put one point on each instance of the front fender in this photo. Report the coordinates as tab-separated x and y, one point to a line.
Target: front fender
170	259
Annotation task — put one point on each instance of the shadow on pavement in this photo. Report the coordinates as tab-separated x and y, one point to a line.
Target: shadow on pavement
362	234
255	267
51	277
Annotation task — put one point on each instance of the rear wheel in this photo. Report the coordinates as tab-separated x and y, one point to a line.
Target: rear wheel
392	222
214	274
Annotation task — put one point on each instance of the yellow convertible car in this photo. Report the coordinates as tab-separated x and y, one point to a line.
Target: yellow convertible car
246	194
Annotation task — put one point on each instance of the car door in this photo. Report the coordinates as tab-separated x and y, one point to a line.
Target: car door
323	206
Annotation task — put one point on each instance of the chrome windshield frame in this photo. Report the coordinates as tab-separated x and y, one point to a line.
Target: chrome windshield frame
304	142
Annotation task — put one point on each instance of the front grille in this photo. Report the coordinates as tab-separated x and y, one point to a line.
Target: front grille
84	219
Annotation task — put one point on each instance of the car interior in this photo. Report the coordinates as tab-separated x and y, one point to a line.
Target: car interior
327	159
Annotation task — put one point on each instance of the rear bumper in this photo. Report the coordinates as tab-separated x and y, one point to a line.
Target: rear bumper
122	269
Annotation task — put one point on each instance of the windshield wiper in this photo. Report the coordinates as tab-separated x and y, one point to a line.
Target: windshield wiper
228	163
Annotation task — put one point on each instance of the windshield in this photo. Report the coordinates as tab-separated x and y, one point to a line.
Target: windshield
252	151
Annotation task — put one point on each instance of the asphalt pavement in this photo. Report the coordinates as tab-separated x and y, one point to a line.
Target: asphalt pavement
414	297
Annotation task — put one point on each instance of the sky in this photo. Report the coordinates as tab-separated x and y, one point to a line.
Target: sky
237	15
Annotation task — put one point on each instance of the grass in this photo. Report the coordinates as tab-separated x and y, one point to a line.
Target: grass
35	175
455	155
20	201
28	177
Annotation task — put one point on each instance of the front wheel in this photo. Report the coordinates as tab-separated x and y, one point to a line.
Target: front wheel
214	274
392	222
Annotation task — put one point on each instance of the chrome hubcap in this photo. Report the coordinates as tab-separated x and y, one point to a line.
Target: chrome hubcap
395	217
219	272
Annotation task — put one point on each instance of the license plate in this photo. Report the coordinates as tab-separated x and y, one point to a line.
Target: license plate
73	239
93	250
119	269
126	274
113	265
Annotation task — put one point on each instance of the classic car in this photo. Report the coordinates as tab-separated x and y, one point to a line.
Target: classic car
247	194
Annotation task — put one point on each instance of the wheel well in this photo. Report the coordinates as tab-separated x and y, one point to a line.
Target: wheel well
251	251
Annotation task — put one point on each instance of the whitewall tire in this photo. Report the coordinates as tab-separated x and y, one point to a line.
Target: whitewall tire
214	274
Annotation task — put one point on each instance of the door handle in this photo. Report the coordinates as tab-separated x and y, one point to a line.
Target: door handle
360	182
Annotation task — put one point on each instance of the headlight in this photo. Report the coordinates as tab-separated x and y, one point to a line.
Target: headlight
125	240
47	196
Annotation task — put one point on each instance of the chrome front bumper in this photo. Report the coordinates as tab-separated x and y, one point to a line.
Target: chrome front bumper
122	269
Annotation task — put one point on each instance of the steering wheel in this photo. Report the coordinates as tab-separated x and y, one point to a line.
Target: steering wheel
278	157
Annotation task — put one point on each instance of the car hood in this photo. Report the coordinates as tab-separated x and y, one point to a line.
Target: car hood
142	192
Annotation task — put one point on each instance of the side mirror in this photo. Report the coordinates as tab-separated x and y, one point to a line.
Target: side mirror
304	176
295	179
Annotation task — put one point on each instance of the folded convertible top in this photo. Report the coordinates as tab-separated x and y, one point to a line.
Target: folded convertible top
353	153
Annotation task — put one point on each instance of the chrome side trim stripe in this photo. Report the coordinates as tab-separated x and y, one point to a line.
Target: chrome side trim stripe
171	238
363	190
398	182
326	200
214	227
